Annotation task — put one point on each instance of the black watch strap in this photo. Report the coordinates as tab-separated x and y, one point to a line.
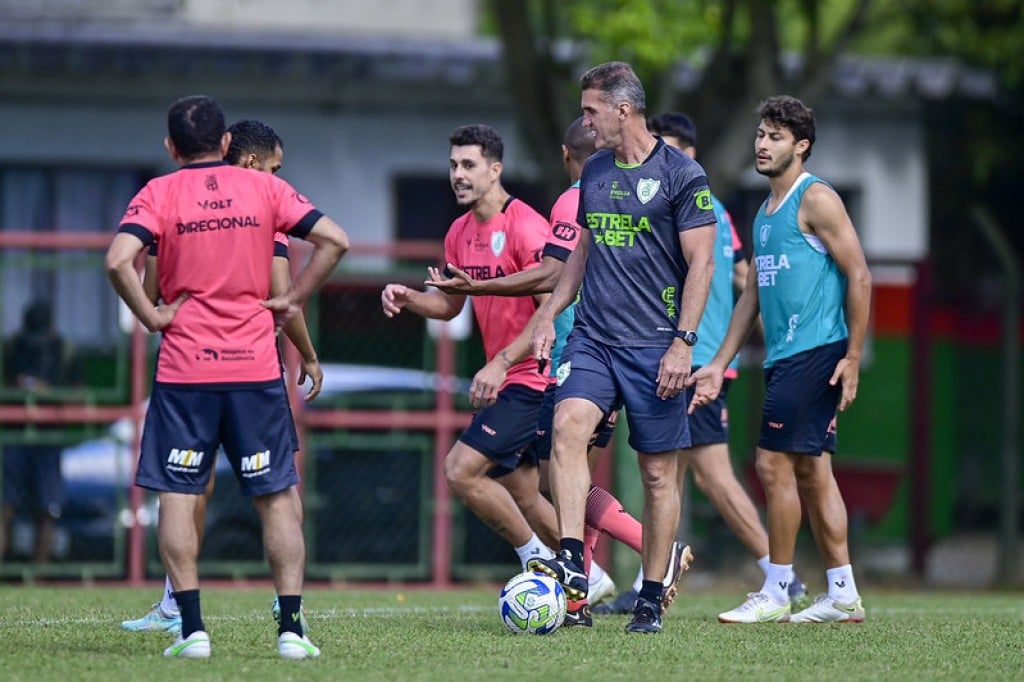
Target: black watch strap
688	337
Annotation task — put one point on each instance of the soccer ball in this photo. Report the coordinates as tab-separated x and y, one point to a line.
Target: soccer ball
532	603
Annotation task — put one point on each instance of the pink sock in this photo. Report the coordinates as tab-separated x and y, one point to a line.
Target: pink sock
590	536
606	513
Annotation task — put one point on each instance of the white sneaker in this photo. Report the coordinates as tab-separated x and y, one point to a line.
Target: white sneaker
758	608
196	645
603	589
295	648
828	610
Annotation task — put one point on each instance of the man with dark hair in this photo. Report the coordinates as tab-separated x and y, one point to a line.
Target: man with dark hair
811	284
709	426
645	263
498	235
39	361
604	512
218	378
254	145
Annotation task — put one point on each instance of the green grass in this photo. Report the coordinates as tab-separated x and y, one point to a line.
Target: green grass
71	633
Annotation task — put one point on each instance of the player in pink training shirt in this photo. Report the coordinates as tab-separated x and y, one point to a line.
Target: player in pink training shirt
218	378
499	235
604	512
256	146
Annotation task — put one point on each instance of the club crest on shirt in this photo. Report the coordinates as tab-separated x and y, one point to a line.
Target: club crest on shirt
497	243
646	188
765	231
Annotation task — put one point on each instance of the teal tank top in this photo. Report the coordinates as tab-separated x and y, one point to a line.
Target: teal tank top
801	289
718	310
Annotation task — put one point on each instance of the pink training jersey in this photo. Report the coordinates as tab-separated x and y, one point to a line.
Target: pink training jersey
216	226
565	231
509	242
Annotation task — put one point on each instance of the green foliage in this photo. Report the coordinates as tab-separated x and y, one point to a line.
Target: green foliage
984	33
65	633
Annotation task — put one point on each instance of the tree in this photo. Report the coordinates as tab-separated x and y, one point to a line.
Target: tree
717	59
734	52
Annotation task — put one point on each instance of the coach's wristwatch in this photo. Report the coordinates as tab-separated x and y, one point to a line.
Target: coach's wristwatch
688	337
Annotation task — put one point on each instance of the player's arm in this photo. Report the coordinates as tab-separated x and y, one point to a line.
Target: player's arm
296	330
708	379
541	279
564	293
330	243
698	247
823	212
483	392
151	280
120	267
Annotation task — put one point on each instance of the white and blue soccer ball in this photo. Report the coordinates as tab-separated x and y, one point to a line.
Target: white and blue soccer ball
532	603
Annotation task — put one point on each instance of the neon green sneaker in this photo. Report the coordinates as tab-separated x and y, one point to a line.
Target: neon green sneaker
758	608
827	610
155	620
196	645
275	611
295	648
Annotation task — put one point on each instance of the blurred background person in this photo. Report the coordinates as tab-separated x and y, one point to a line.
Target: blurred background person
39	361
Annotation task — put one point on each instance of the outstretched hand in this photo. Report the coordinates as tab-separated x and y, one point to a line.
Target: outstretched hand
708	382
393	298
459	283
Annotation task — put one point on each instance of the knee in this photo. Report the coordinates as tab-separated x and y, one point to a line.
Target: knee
568	432
771	473
658	474
456	476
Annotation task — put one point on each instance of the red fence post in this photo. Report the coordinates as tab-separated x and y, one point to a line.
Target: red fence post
920	419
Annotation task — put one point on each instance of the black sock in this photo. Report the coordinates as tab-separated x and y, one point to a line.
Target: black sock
191	615
575	549
652	590
291	614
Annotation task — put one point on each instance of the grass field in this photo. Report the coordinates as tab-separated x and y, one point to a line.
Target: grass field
72	633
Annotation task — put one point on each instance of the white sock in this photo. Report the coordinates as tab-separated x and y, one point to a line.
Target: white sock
639	582
167	604
762	563
596	574
533	548
840	584
776	582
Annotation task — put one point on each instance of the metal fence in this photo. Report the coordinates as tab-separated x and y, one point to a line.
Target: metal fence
376	503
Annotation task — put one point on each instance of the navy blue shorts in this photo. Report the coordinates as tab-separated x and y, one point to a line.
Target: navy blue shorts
541	448
609	376
506	429
709	425
799	405
185	426
32	479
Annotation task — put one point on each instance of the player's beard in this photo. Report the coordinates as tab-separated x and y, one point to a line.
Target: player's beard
779	168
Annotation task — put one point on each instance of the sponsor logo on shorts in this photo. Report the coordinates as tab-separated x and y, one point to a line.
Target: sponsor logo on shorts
185	461
256	465
776	425
562	373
